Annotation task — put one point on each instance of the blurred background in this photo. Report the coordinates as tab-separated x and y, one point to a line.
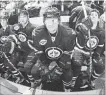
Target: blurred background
36	8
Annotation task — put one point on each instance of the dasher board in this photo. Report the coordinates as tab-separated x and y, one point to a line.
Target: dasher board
10	88
39	20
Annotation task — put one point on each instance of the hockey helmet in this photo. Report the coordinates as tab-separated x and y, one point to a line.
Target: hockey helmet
51	12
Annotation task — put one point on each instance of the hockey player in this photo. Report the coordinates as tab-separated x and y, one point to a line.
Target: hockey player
53	43
89	41
24	32
23	37
6	45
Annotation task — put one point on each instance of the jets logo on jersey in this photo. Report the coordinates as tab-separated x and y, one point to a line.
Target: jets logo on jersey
92	43
3	39
53	52
43	42
22	37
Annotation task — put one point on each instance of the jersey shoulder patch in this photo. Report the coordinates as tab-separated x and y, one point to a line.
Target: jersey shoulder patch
16	27
37	30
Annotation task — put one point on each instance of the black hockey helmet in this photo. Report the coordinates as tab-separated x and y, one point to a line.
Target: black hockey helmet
51	12
24	12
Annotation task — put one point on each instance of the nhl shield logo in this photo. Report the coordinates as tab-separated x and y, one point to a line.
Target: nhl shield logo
53	39
43	42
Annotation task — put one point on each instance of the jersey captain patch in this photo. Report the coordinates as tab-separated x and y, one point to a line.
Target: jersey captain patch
53	52
92	43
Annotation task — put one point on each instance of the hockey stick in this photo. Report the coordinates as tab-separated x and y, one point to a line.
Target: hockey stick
89	36
90	63
12	65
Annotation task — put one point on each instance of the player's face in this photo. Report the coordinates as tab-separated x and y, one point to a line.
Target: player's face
3	22
52	24
23	19
94	17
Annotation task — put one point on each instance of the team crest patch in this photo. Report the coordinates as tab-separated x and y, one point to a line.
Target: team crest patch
92	43
53	52
43	42
22	37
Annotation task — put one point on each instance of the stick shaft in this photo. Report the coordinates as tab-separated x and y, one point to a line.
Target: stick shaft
12	64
